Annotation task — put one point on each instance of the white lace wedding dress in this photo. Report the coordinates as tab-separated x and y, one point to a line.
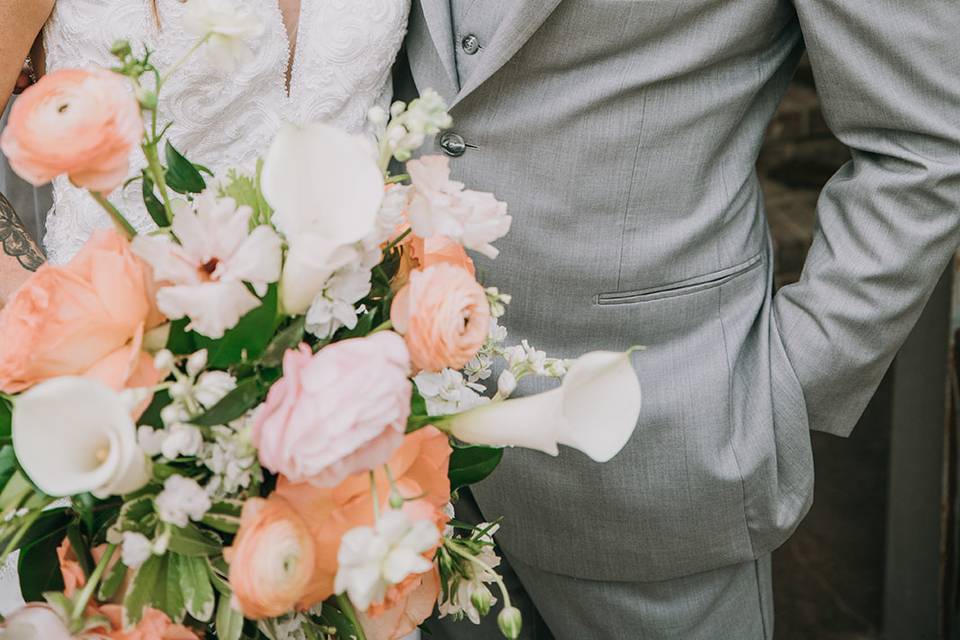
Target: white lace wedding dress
342	61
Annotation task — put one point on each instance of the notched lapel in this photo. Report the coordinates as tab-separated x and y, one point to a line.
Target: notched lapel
519	26
436	14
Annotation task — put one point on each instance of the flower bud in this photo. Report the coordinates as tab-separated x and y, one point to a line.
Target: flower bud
197	362
164	360
506	383
396	500
510	622
482	599
121	48
147	98
179	390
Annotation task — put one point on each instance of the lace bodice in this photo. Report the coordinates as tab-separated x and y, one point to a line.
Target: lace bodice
344	54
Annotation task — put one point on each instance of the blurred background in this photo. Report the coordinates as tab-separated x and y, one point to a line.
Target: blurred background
878	555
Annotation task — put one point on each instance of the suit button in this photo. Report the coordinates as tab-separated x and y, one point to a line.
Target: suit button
453	144
470	44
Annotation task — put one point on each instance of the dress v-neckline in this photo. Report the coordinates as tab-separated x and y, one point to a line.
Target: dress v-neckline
294	42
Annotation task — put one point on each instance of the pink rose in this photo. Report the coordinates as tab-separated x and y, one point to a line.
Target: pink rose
83	123
338	412
443	315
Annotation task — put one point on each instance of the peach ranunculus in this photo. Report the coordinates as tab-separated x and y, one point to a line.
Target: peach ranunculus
419	468
154	625
444	316
84	318
73	576
338	412
407	606
271	560
83	123
418	253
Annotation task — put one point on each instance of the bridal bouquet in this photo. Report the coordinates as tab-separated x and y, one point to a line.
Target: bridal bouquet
251	421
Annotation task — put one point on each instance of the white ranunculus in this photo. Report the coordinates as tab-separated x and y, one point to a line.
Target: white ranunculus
227	28
73	435
206	275
324	181
33	622
595	410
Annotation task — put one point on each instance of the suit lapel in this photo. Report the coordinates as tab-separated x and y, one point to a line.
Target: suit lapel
436	16
519	26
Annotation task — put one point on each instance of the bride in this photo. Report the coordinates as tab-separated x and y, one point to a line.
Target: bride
316	60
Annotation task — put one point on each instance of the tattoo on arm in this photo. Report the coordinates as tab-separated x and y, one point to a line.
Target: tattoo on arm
15	240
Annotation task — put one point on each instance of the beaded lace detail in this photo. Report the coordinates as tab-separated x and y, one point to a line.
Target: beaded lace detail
341	68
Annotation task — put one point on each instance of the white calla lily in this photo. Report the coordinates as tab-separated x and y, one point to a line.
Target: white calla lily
73	435
595	410
322	180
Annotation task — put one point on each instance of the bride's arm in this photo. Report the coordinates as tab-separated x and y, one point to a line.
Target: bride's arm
20	23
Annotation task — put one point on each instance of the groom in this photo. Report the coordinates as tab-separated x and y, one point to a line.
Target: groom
623	134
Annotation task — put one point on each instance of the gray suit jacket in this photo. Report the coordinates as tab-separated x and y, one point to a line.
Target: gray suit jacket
623	135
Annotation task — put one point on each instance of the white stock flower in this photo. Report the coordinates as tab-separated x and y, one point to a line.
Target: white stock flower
181	440
411	124
212	386
182	500
227	27
336	304
373	558
136	549
441	206
207	271
594	410
447	392
73	435
321	180
231	458
506	383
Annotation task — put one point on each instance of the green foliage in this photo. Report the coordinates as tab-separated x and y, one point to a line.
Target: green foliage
243	190
192	542
154	206
6	420
229	623
247	341
288	338
472	463
111	582
182	176
198	593
419	418
155	584
224	516
8	464
236	403
39	566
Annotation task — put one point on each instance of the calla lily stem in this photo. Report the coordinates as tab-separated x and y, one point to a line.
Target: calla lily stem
80	604
347	608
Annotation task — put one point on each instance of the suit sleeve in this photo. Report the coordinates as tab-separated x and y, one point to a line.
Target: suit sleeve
888	74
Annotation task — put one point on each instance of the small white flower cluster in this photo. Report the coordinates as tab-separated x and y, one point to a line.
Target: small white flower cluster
467	592
232	459
137	548
447	392
371	559
182	500
193	391
409	125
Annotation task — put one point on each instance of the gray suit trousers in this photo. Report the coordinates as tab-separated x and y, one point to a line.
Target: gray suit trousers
730	603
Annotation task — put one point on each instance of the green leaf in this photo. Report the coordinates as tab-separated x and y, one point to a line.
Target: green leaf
6	418
155	584
224	516
218	570
197	590
246	341
111	582
289	338
191	541
181	342
154	207
8	464
182	176
39	566
471	464
363	328
233	405
229	621
137	515
243	190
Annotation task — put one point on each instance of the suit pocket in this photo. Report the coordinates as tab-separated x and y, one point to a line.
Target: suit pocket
683	287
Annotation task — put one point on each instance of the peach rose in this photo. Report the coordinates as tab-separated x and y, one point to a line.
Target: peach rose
419	468
338	412
407	606
154	625
443	315
272	558
84	318
418	253
83	123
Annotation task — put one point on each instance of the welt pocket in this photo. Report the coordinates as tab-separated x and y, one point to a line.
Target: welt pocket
683	287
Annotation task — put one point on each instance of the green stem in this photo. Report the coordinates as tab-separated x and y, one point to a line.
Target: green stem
80	604
118	218
397	241
347	607
384	326
400	177
156	172
483	565
176	65
373	494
